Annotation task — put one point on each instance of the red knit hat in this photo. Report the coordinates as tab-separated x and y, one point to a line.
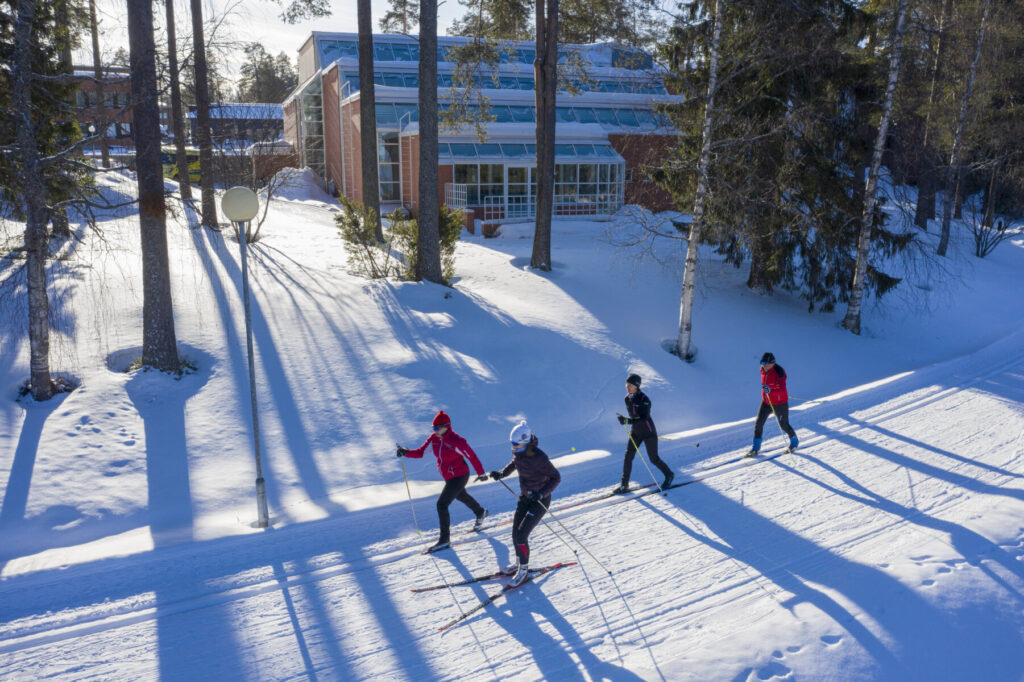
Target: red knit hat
441	419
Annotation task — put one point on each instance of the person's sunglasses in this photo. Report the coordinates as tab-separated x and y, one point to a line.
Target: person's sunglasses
518	446
441	426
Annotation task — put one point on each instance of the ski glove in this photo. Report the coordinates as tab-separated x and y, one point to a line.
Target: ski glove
401	451
766	388
481	478
496	475
622	420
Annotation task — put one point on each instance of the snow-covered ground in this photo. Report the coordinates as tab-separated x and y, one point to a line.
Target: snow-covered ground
890	547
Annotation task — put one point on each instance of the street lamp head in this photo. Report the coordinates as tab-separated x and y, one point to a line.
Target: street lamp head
240	204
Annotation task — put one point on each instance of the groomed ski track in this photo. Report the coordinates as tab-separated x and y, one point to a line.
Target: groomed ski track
872	553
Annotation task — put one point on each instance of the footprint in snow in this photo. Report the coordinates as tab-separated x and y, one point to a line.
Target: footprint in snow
831	640
793	649
927	583
774	671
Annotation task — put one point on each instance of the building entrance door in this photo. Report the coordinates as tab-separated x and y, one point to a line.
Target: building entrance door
520	191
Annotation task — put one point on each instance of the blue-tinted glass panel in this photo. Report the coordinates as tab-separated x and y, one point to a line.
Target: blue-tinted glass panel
522	114
584	149
526	56
378	78
443	150
627	118
489	149
353	82
462	149
501	114
513	150
585	115
606	117
443	53
411	80
531	149
645	118
331	50
564	150
395	80
565	115
604	150
411	109
526	84
382	52
389	191
402	52
444	80
386	114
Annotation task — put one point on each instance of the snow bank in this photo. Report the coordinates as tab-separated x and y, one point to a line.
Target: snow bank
300	184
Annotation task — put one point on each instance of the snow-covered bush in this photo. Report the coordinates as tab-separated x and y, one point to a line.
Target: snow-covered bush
405	237
366	255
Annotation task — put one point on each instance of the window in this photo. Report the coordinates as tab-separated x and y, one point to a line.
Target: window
522	114
395	80
606	117
388	160
564	150
382	52
412	80
489	149
585	115
386	115
645	118
501	114
513	150
463	149
403	53
584	149
407	113
482	181
627	118
565	115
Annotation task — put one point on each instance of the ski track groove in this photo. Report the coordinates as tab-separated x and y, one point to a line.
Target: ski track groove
50	628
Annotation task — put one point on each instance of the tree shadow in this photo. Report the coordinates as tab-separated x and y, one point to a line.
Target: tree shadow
921	641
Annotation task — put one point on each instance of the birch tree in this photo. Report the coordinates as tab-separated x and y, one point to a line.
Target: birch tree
949	185
545	67
159	343
428	245
867	223
684	338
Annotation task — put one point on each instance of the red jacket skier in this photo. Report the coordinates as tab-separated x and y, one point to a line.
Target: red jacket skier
774	400
451	451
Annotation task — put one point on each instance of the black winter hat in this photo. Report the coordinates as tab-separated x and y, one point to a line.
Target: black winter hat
767	357
633	379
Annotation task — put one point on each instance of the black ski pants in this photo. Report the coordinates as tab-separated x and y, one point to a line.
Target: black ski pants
454	489
650	441
781	413
528	515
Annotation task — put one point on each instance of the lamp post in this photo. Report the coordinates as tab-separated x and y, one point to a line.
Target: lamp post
240	205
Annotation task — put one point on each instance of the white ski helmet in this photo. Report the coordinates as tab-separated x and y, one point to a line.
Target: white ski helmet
521	435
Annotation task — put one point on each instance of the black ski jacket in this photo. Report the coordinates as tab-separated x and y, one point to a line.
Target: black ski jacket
638	414
536	472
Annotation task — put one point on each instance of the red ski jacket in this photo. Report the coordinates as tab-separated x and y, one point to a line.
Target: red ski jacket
451	451
775	380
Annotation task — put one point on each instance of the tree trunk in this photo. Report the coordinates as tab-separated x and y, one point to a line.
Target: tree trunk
954	158
853	310
545	68
429	241
97	71
159	344
32	191
925	209
989	219
684	337
208	207
177	122
368	118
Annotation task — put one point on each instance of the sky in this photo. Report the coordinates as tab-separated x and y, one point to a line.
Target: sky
249	20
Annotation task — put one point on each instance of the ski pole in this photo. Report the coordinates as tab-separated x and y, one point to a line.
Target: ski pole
409	493
695	444
642	459
548	526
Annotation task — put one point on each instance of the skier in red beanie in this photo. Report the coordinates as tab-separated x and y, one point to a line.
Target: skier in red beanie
451	451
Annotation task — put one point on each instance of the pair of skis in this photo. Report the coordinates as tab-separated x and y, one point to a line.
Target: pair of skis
484	603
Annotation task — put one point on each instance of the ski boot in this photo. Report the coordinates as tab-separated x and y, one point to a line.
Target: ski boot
479	523
520	577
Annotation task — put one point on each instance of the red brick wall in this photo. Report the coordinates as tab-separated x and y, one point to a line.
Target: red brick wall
640	151
332	126
445	174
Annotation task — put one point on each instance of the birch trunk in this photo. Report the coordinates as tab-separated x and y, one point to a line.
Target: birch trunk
428	258
97	70
32	190
545	67
159	343
925	209
954	158
368	117
177	122
685	336
208	206
853	310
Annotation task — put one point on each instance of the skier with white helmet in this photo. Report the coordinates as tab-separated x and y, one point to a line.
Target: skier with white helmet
538	478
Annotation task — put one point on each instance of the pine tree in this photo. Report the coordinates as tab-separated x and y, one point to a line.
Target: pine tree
208	207
428	258
403	16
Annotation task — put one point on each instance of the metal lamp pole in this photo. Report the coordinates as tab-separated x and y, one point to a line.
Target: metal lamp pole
240	205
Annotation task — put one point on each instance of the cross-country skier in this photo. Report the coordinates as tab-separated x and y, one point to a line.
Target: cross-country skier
538	478
774	399
451	451
641	431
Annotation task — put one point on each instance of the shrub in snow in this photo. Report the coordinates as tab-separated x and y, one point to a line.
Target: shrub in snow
366	256
405	237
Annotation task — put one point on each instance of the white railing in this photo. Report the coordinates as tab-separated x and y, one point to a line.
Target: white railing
511	207
455	195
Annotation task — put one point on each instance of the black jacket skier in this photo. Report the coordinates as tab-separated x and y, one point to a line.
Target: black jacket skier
641	430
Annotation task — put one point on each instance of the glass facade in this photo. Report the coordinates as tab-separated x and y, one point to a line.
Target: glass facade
311	127
389	167
411	79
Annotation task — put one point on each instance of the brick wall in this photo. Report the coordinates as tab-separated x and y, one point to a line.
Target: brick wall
640	151
351	151
332	126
